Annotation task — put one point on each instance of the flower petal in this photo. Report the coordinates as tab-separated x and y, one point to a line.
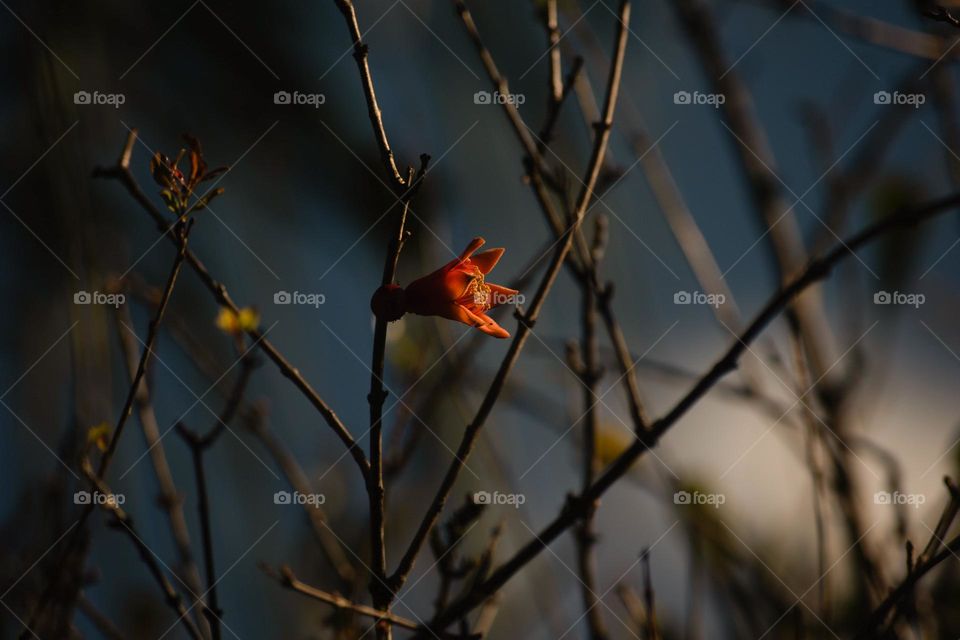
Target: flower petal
487	260
487	324
475	244
456	283
507	291
495	330
460	313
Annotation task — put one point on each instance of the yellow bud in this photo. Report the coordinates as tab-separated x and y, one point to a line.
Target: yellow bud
247	319
99	435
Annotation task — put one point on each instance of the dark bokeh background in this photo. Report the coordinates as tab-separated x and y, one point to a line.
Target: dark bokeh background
301	212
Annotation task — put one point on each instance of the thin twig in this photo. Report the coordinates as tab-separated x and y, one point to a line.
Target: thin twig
648	598
943	524
590	373
360	51
182	231
199	444
935	552
559	87
634	606
812	435
288	579
553	109
211	608
553	46
486	616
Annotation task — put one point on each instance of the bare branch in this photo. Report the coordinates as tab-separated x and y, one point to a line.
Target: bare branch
125	524
286	577
179	232
528	319
936	551
376	397
590	373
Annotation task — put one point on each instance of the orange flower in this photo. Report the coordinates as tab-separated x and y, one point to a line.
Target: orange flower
457	291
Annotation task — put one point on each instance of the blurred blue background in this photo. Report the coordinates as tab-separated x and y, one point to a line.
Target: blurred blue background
303	211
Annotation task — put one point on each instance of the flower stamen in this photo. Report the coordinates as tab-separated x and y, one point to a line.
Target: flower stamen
480	290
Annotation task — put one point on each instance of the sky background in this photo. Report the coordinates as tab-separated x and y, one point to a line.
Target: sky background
302	212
